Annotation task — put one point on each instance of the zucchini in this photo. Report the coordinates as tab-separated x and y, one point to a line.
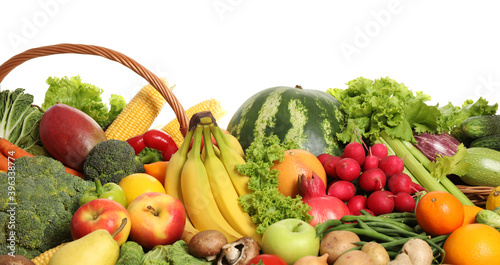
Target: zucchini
484	167
490	141
480	126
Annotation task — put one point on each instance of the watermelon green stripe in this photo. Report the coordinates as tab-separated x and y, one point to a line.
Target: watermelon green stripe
310	118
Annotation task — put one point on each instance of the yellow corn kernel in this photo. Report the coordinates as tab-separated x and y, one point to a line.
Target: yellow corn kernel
44	258
212	105
138	115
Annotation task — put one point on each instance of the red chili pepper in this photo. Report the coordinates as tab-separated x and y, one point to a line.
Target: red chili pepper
137	142
161	141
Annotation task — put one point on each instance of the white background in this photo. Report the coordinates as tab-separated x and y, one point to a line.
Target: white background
231	49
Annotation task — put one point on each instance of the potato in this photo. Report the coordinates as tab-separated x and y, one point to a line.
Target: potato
354	257
401	259
377	252
335	243
419	251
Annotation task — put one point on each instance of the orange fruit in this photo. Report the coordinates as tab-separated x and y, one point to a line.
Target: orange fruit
139	183
297	162
470	212
439	213
472	244
157	169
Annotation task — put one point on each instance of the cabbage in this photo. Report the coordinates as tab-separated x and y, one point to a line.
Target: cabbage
20	119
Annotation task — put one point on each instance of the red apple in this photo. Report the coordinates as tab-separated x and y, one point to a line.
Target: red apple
100	214
157	219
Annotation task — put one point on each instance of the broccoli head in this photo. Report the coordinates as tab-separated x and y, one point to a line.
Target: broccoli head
110	161
38	201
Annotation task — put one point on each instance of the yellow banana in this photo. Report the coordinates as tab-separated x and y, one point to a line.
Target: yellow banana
224	192
198	198
231	159
189	231
174	169
234	144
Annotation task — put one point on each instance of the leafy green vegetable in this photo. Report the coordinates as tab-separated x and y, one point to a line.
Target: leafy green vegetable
266	205
83	96
131	253
20	120
446	165
175	254
373	106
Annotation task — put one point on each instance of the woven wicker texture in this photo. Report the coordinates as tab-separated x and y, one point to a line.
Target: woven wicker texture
63	48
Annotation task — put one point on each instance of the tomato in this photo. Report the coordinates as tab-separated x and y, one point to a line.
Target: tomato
267	259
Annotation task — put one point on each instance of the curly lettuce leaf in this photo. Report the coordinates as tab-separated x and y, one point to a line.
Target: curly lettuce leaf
373	106
20	120
266	205
453	116
85	97
450	165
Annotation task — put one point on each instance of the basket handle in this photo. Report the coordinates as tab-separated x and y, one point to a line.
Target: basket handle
149	76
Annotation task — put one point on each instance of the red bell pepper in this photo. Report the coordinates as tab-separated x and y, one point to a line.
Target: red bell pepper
156	139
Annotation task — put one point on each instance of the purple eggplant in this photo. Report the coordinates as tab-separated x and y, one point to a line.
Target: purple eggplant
432	144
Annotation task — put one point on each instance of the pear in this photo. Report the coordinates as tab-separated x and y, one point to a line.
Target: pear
97	247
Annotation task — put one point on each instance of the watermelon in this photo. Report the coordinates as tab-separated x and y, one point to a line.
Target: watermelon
310	118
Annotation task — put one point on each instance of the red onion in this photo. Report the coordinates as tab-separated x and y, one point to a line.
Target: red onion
432	144
323	206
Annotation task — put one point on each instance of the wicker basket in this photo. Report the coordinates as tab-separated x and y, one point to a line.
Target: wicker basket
477	194
154	80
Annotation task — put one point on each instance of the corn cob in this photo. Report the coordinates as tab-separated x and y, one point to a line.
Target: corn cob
212	105
138	115
44	258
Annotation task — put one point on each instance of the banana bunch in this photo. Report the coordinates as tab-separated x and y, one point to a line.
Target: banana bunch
207	181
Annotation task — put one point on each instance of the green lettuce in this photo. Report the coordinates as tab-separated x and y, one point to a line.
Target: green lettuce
20	119
373	106
83	96
266	205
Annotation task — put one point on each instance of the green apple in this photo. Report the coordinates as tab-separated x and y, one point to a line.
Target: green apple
290	239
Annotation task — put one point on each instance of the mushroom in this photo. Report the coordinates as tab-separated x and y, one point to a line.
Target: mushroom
240	252
207	244
8	259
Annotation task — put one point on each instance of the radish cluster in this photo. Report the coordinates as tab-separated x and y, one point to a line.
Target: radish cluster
372	180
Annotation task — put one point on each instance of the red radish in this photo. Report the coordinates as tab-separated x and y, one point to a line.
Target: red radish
391	165
356	204
355	151
404	202
372	180
399	182
415	187
323	158
323	207
348	169
342	189
379	150
380	202
330	166
371	161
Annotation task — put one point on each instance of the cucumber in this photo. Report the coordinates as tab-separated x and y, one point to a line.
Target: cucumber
480	126
490	141
485	167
